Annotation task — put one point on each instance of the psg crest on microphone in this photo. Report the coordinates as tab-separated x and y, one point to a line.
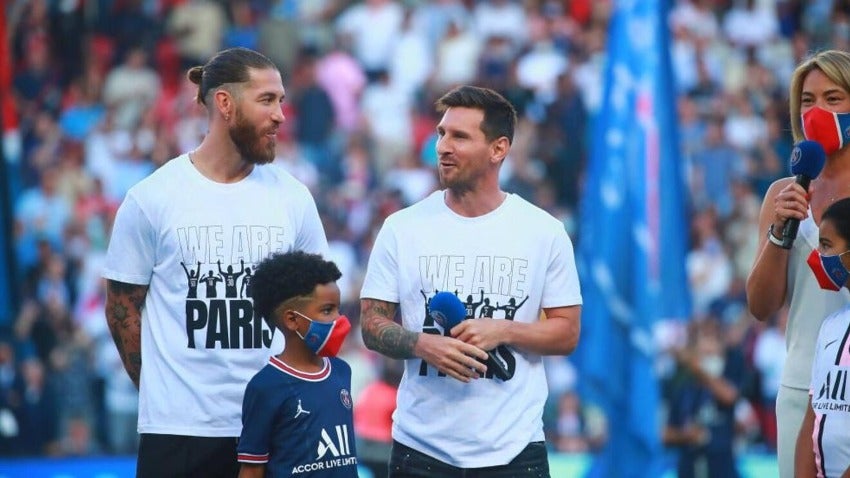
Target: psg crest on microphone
796	154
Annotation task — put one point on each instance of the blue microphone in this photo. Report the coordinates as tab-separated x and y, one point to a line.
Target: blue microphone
807	159
448	311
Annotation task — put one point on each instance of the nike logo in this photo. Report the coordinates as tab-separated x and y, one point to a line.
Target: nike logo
829	343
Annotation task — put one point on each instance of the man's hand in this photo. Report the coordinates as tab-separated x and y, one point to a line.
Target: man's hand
485	334
451	356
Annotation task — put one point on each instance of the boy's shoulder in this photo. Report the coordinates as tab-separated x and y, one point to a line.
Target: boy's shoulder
268	377
339	365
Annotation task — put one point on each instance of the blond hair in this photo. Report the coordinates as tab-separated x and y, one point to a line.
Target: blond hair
835	64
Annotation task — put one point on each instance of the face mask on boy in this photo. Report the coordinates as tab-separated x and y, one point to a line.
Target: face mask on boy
325	338
829	270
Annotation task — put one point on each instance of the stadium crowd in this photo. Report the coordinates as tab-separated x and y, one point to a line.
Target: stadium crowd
102	101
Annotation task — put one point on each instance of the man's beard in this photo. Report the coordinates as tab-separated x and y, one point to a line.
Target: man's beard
457	184
249	142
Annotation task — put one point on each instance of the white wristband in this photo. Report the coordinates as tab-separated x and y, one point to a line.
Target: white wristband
773	239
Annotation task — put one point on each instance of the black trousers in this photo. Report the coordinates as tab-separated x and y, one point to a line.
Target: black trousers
405	462
177	456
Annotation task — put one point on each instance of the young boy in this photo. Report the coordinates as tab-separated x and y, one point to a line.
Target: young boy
296	414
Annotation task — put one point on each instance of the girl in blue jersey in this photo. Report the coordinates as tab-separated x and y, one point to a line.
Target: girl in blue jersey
823	444
297	411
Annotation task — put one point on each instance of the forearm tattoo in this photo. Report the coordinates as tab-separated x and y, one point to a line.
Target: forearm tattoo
124	303
381	333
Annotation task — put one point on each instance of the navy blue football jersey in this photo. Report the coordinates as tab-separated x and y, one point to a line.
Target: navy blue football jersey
299	424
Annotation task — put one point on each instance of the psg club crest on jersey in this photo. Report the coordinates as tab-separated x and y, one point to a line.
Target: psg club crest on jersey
345	398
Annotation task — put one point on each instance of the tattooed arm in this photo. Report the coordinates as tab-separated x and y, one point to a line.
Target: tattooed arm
124	304
381	333
448	355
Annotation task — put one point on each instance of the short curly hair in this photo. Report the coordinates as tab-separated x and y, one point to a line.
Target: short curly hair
285	275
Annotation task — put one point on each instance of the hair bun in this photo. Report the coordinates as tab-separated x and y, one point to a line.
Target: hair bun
195	74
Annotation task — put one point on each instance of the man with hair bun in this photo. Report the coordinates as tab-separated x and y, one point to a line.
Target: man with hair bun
214	211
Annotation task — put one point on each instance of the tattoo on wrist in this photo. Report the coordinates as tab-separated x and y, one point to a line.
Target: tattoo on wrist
383	335
393	341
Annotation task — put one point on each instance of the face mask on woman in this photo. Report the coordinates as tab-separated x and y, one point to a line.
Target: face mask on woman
830	130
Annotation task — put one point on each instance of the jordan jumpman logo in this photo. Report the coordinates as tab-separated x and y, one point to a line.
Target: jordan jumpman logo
300	410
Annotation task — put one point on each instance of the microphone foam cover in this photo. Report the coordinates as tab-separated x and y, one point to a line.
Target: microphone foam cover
807	159
447	310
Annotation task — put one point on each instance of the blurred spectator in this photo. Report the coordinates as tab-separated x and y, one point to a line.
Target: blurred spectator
52	287
373	417
740	233
242	30
94	212
198	27
127	24
707	264
130	155
42	138
78	440
343	80
743	128
38	419
290	158
540	67
769	358
387	116
85	109
36	82
341	252
772	156
411	178
579	428
692	128
701	396
714	168
41	213
563	141
411	62
373	26
434	18
697	17
130	88
750	23
500	18
456	59
314	118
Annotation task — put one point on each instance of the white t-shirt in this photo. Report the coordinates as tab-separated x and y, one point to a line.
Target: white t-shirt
831	395
195	242
511	262
809	305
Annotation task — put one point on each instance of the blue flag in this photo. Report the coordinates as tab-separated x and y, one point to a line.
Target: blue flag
633	239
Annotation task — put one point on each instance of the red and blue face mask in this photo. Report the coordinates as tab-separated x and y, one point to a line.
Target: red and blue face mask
325	338
829	270
830	130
